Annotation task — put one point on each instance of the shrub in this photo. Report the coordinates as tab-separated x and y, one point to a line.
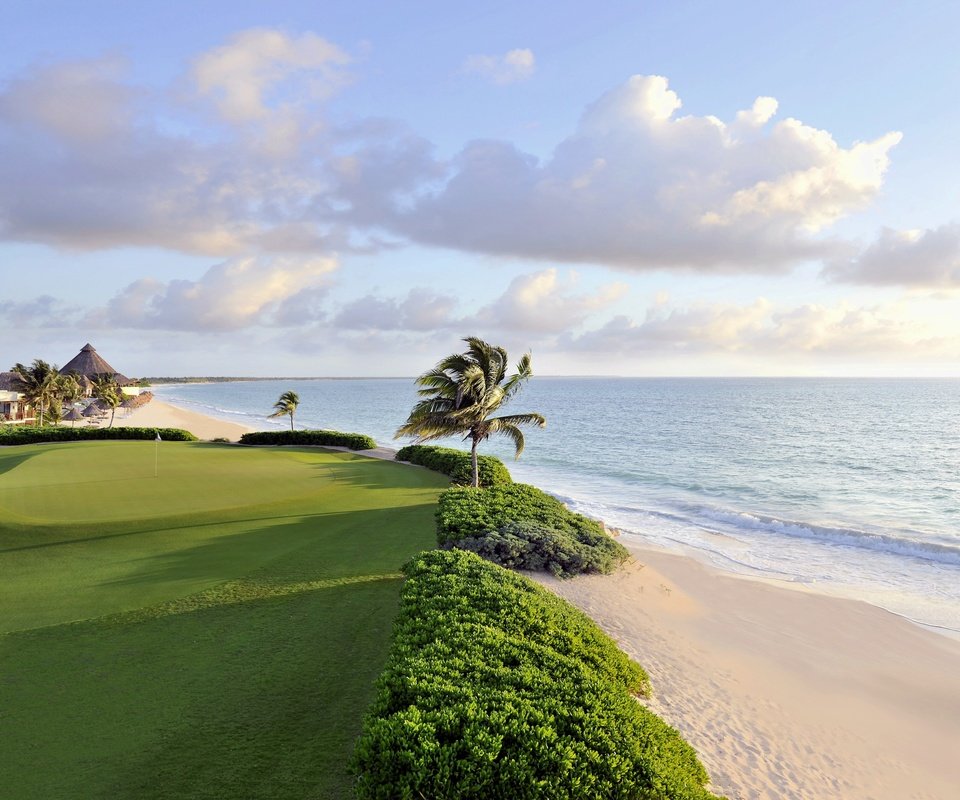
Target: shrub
522	527
456	464
25	435
494	688
352	441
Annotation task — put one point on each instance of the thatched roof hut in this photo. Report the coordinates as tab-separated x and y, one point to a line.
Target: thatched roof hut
89	364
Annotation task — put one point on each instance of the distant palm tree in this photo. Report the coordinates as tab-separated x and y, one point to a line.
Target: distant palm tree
108	391
461	393
38	383
287	404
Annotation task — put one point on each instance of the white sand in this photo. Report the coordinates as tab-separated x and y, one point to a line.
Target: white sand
157	414
785	694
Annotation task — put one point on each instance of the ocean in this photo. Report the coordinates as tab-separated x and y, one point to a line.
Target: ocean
850	487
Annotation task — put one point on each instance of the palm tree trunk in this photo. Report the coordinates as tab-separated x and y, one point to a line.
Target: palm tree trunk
473	462
113	411
291	420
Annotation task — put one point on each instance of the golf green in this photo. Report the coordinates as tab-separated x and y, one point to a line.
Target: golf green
186	620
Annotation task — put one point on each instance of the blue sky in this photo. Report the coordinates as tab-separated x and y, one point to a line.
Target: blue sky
637	189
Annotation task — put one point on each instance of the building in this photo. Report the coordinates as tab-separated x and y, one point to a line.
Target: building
13	407
86	365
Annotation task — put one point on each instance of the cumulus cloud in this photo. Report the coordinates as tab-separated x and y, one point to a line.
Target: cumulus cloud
511	67
537	303
420	310
44	311
543	302
242	73
919	258
91	163
640	187
235	294
763	328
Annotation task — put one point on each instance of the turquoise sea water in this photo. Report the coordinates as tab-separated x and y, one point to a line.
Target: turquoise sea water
849	486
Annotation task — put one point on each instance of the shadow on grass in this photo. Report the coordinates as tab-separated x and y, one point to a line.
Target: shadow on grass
11	460
297	549
259	700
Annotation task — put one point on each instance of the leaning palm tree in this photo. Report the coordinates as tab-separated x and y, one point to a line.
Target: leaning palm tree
38	383
462	392
108	392
286	405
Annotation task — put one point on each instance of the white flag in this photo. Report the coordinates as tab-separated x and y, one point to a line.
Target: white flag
158	439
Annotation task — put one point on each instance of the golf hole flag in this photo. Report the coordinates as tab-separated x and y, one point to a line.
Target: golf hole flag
158	439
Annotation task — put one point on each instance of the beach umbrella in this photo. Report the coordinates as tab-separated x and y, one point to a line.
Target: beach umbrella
73	415
93	410
129	404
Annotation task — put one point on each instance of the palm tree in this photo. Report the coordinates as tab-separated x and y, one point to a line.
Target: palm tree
38	383
108	391
287	404
462	392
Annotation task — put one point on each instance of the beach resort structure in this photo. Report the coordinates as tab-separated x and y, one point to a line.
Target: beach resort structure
87	365
13	407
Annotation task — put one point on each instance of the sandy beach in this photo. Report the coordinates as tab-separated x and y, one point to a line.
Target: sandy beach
786	694
157	414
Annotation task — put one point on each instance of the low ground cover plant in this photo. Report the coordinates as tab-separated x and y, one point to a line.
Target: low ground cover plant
495	688
352	441
456	464
522	527
10	435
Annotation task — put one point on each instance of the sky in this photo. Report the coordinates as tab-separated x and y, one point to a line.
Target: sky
638	189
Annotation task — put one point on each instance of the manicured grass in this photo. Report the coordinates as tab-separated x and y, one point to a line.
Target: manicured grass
214	632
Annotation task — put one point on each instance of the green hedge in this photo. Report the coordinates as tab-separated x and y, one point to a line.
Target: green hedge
24	435
352	441
456	464
495	688
522	527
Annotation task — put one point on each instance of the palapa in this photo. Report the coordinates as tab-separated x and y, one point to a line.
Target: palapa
89	364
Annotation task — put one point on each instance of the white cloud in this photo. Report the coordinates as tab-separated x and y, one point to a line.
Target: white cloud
90	164
78	101
246	76
511	67
420	310
925	258
542	302
639	187
235	294
765	329
44	311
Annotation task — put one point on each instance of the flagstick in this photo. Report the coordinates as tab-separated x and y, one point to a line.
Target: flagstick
156	454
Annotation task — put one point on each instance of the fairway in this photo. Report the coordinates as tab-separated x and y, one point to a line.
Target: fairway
211	632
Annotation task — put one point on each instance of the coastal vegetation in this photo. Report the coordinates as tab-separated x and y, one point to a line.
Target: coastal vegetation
523	527
213	632
41	384
491	471
494	687
352	441
108	394
286	406
21	435
460	394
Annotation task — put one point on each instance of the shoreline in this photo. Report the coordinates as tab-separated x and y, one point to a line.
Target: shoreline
161	414
786	693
